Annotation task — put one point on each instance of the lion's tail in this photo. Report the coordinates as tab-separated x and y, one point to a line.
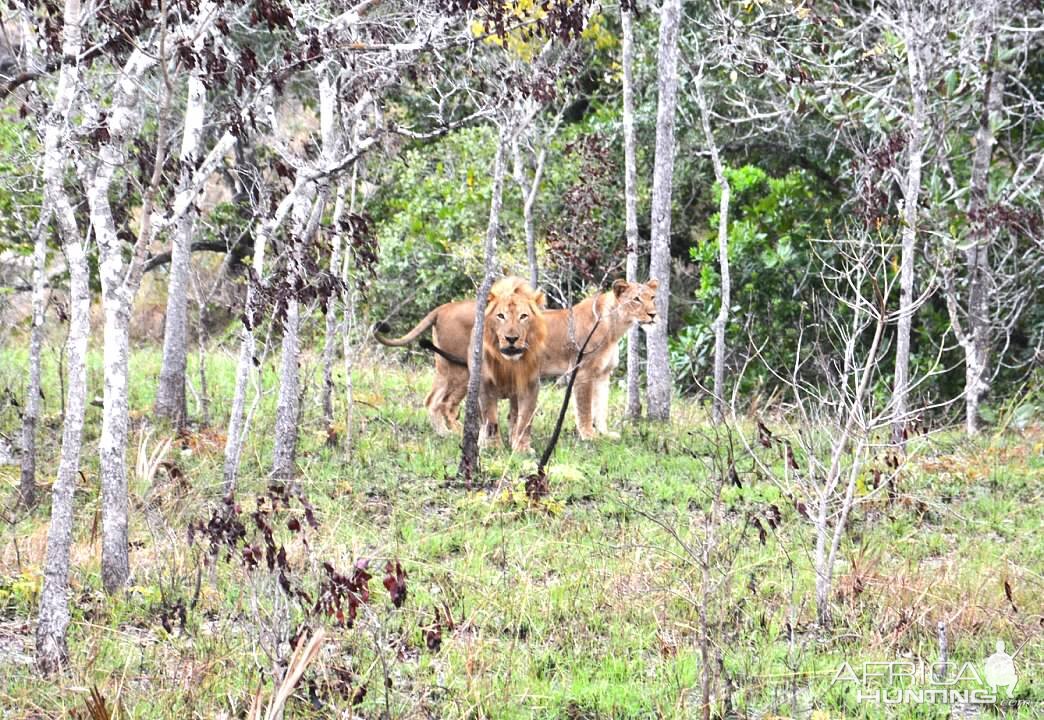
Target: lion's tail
383	327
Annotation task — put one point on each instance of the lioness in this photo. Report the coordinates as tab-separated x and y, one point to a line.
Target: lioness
626	304
513	340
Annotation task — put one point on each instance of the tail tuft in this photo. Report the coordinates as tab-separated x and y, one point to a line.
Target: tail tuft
382	327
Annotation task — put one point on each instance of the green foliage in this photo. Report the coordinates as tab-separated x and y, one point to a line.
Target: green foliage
774	224
20	195
431	220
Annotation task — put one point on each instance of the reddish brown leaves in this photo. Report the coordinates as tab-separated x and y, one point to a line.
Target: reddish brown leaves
395	582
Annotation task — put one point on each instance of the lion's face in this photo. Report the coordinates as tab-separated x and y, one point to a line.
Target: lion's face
636	302
513	318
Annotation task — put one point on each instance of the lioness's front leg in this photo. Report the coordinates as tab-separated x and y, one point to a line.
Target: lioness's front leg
600	406
523	409
584	398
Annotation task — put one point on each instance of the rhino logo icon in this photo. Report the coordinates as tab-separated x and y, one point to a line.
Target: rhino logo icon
1000	670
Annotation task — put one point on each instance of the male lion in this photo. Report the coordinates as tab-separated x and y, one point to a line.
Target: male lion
513	340
627	304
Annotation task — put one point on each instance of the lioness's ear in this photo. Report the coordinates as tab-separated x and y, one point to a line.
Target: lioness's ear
620	287
653	284
539	299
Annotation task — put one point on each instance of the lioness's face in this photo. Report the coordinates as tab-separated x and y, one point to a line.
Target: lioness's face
636	301
511	320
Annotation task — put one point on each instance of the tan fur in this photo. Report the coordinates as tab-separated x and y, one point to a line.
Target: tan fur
450	325
514	323
625	305
619	309
514	379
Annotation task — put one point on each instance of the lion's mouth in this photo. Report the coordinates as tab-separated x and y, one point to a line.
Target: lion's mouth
512	352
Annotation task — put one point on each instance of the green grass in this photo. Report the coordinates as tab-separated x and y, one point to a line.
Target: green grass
581	606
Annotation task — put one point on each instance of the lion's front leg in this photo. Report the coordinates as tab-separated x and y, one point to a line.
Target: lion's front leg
489	435
523	410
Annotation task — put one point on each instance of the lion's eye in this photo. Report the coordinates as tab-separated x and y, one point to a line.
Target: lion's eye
523	316
500	315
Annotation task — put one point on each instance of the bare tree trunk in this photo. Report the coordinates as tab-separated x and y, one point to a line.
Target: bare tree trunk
469	458
119	282
911	197
723	258
170	393
237	414
348	324
530	189
287	409
27	485
112	446
332	326
51	646
288	405
658	367
634	399
976	336
824	560
329	119
51	649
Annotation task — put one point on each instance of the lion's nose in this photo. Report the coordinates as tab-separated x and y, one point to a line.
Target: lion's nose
652	316
511	340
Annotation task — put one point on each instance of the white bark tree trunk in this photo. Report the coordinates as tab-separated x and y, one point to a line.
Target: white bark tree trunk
119	282
722	319
170	393
332	326
287	408
27	484
51	646
975	340
237	414
855	415
658	367
469	458
329	119
634	399
530	188
348	325
911	197
288	404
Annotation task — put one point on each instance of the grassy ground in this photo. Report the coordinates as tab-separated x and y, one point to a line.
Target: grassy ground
583	605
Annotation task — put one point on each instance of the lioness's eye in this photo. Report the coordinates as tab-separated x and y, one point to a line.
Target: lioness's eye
523	316
500	315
